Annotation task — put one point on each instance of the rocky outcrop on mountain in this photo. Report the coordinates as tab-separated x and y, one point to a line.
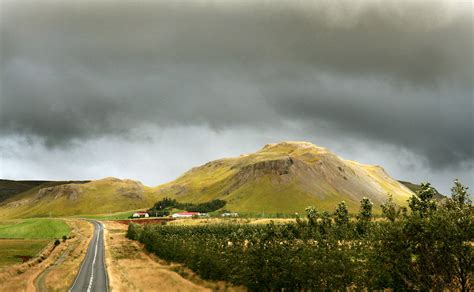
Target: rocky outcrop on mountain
69	191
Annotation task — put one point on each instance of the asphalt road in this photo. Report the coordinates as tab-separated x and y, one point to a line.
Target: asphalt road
92	275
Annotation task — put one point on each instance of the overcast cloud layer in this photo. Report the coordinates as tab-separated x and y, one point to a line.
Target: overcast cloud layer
149	89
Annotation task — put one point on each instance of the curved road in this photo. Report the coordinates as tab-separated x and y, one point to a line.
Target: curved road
92	275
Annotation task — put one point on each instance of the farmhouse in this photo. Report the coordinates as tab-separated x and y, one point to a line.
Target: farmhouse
185	214
140	214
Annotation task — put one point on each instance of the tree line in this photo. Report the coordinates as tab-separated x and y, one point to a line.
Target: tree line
163	207
428	245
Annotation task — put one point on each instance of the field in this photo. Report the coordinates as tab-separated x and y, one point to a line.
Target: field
21	240
34	228
13	251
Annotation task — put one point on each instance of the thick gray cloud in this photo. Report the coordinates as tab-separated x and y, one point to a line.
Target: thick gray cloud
387	73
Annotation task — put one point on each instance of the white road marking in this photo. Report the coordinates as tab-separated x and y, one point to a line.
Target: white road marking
93	261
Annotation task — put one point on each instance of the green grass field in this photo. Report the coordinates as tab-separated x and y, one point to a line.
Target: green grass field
35	228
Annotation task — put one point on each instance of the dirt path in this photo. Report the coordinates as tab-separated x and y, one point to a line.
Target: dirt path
39	281
132	268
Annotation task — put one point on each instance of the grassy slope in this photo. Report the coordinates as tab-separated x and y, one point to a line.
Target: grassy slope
10	188
106	196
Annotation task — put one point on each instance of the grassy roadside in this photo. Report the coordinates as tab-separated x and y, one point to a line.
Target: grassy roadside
131	268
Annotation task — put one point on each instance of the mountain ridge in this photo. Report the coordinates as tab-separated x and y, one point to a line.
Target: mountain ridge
281	177
297	173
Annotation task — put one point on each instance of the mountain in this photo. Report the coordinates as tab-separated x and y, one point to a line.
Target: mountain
280	178
285	177
103	196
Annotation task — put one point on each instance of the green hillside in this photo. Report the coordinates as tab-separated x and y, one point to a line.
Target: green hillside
11	188
104	196
285	178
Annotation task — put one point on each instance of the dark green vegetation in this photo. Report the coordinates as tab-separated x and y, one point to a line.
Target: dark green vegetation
426	246
163	207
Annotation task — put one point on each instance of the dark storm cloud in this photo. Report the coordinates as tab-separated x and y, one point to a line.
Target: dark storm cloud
394	72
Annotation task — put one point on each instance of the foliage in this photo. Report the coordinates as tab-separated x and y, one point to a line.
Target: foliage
429	248
364	216
165	204
341	216
390	210
365	213
423	203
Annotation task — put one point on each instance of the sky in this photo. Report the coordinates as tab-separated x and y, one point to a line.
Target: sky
148	89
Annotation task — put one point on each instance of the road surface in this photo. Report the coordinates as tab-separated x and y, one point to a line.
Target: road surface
92	275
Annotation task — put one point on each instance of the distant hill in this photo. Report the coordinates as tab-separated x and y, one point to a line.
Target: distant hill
71	198
10	188
414	188
285	177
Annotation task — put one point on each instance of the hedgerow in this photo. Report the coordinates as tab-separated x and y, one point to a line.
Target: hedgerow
429	248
